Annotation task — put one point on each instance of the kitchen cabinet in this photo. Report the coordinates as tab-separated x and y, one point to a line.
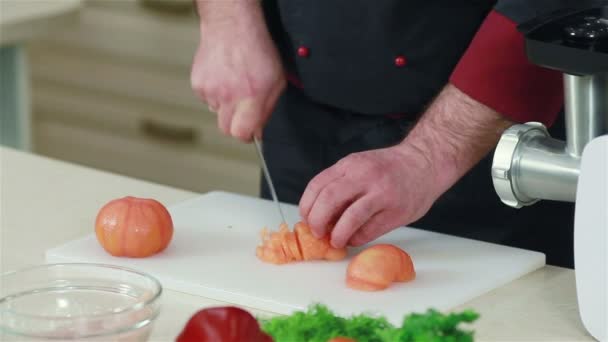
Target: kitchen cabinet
21	21
112	91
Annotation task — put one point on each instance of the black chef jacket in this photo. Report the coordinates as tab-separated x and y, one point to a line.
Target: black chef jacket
361	71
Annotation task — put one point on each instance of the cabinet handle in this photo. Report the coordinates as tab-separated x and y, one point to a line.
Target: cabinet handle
174	7
162	131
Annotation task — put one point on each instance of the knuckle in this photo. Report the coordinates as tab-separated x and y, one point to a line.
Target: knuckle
328	195
344	163
211	89
199	83
315	184
196	82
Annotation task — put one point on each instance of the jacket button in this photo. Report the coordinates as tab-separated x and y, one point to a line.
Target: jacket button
400	61
303	51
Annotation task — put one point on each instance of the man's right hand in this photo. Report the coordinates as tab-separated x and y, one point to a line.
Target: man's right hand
237	70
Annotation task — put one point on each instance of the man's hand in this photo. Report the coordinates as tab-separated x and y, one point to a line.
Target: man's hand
237	70
370	193
366	195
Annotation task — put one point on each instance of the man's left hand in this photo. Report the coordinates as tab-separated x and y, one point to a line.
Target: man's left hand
368	194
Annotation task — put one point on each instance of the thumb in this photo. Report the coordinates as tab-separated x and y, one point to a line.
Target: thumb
247	119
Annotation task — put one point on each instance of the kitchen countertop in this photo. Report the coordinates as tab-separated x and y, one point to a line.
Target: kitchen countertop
21	20
44	203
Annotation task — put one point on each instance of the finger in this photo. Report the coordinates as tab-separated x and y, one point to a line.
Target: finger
374	228
355	216
246	119
269	106
224	118
197	85
212	108
330	204
314	188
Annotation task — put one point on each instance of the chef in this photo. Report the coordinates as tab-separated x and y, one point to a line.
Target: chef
379	114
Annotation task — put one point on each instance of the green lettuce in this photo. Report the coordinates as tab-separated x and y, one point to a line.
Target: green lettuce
320	324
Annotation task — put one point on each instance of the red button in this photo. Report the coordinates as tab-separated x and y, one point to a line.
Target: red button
400	61
303	51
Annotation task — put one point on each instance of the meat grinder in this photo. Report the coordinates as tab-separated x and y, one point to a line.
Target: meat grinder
529	165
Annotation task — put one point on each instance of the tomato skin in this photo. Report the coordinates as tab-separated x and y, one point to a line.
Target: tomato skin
134	227
377	267
222	324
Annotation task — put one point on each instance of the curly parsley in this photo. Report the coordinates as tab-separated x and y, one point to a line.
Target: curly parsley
319	324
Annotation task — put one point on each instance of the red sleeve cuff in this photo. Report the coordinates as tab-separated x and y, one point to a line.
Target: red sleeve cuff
496	72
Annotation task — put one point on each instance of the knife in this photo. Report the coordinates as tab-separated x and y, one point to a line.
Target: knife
268	178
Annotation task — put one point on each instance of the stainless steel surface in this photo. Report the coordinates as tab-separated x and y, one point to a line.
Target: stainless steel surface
529	165
586	107
258	147
502	165
543	169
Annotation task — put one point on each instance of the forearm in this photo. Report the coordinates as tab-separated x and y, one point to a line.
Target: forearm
454	134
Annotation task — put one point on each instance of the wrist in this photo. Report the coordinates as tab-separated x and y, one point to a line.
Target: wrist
454	134
439	174
228	13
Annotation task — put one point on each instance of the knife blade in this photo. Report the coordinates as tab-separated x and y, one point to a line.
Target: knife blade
258	147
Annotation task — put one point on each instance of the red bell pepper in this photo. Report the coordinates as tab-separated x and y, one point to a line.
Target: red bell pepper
223	324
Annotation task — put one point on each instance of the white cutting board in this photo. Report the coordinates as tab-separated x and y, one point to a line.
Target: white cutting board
213	255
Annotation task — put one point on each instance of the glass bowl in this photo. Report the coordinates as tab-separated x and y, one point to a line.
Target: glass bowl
84	302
